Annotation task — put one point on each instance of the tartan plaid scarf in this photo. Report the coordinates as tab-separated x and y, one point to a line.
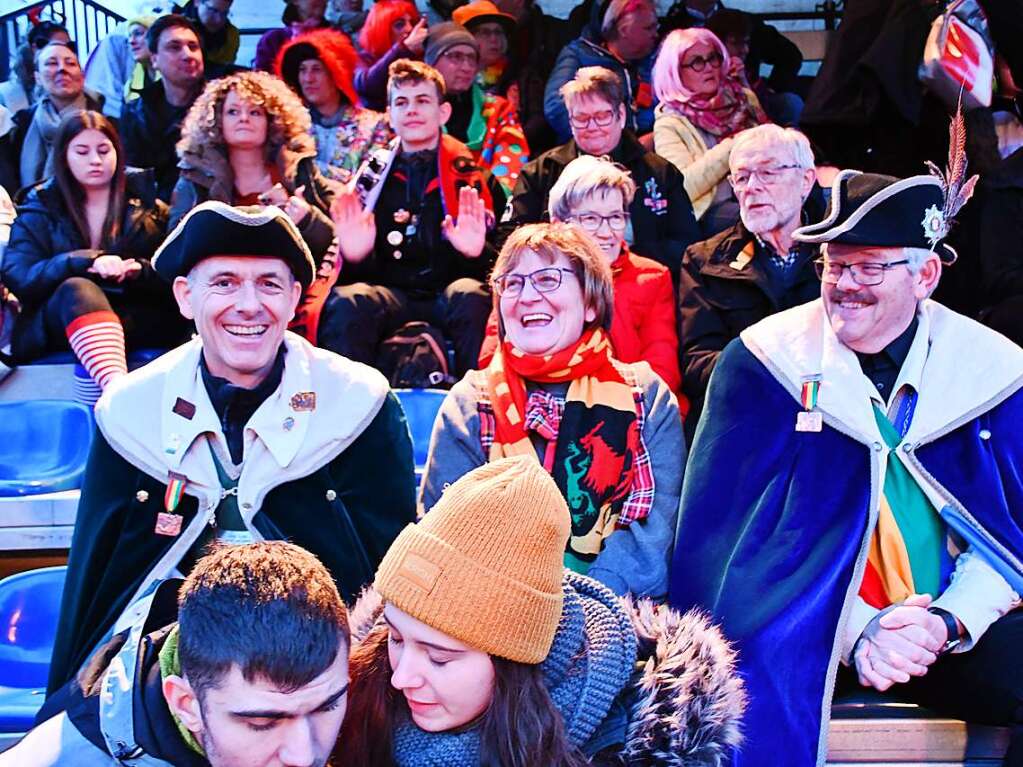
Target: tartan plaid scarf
594	447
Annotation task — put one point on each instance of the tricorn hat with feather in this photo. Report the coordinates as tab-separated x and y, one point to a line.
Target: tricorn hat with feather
873	210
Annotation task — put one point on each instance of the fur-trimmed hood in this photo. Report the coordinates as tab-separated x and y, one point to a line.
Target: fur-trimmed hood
684	700
211	169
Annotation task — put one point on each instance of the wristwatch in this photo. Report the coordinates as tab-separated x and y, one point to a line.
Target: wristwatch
951	626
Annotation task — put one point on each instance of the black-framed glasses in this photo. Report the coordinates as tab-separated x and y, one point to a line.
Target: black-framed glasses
700	63
865	274
772	175
591	222
545	280
601	119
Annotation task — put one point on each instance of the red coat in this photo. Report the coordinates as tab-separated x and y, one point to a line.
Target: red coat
643	326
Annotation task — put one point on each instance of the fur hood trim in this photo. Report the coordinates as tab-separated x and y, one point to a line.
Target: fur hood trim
687	701
212	170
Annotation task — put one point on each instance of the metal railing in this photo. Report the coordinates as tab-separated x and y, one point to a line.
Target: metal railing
87	22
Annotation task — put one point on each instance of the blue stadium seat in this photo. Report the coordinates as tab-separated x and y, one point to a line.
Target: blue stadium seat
29	608
43	446
421	406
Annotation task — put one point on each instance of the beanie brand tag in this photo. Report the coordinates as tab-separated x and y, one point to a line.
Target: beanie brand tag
420	571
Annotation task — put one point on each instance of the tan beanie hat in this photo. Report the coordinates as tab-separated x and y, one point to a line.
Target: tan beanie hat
485	564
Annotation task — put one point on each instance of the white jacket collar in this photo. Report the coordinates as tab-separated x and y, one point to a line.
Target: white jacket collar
958	367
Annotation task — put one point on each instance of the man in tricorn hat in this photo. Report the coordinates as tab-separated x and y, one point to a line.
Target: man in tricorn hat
852	505
245	433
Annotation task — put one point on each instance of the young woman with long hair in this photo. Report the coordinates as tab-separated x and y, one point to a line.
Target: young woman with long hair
78	258
477	648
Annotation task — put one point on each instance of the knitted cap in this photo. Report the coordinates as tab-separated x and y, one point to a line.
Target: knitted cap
445	36
485	564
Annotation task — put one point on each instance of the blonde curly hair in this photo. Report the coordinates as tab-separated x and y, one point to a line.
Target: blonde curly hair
288	121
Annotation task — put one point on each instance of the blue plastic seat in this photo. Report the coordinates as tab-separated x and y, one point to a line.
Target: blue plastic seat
421	406
136	358
43	446
29	608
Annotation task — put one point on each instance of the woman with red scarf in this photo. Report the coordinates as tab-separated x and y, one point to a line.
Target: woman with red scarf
703	104
609	432
595	194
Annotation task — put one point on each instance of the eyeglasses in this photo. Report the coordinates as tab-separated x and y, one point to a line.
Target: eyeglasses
865	274
741	178
601	119
461	57
545	280
700	63
591	222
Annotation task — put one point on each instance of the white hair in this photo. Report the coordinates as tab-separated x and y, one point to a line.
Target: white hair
585	176
769	134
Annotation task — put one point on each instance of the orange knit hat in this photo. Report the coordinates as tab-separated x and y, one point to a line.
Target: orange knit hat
485	564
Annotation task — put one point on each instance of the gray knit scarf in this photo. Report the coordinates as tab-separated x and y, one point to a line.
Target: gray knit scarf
36	157
589	664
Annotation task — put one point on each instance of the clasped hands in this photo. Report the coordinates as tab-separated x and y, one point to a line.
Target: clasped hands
356	228
114	268
899	643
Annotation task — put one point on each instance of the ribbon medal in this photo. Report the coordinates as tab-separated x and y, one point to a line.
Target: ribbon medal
168	522
810	419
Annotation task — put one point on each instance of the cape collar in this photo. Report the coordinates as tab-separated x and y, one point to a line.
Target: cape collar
947	347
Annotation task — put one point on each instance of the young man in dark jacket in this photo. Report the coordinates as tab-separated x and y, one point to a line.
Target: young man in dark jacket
247	432
662	221
151	124
251	668
413	235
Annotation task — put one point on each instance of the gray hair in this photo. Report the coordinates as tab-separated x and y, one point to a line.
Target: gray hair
594	81
584	176
769	134
616	9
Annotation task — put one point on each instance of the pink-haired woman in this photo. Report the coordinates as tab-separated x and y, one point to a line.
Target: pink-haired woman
703	103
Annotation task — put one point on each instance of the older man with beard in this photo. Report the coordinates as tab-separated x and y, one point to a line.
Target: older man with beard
852	504
754	268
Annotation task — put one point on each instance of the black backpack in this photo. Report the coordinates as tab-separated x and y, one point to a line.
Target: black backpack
415	357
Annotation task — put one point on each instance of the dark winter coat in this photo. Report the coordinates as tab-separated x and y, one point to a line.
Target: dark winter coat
663	225
718	300
680	707
1002	231
150	130
347	508
766	46
46	249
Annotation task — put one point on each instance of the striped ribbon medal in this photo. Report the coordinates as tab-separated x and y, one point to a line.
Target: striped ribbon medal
809	418
168	522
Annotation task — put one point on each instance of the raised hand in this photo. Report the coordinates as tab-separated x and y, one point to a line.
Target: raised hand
415	40
468	234
354	227
297	207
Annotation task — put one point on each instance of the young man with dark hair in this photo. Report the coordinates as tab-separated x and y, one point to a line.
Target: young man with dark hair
151	124
254	671
414	231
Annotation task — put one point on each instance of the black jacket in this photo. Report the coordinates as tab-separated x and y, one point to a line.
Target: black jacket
46	249
150	130
717	301
424	263
766	46
663	224
1001	231
347	512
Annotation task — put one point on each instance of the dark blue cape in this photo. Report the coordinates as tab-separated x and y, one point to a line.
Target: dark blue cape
774	522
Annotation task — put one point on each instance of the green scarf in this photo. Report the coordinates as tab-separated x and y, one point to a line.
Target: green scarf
170	665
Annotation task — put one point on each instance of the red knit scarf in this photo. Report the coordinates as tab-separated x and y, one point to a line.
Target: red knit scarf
596	441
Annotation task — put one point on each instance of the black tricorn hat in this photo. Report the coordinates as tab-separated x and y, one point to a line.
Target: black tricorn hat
883	211
218	229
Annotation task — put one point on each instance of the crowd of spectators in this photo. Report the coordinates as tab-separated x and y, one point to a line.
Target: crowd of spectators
591	231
